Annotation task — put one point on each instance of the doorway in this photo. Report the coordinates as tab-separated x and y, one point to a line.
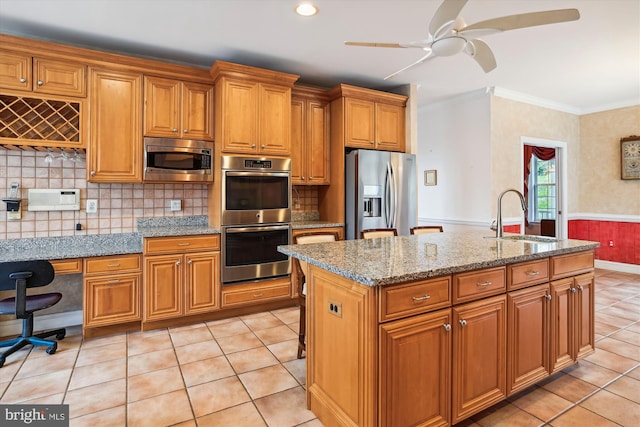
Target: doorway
544	184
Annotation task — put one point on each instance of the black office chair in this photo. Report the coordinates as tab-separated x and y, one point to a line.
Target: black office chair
19	276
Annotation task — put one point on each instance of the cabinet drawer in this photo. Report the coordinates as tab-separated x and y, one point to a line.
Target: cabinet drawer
571	264
235	295
527	273
67	266
162	245
111	264
405	300
479	284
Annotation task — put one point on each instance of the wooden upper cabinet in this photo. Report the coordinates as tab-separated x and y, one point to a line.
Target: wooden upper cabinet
49	76
309	137
115	142
372	119
252	109
176	109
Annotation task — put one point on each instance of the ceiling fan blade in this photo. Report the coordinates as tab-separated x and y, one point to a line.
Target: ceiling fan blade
524	20
445	15
481	52
366	44
419	61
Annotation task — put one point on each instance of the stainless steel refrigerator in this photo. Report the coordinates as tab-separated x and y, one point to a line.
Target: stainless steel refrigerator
380	191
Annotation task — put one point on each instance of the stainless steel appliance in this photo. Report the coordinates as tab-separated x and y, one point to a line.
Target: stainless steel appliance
380	191
177	160
256	217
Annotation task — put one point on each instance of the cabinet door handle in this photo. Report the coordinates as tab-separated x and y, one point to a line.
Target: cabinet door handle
463	323
40	82
174	130
372	142
184	244
310	178
580	288
92	173
23	80
185	131
533	273
487	283
253	145
447	327
426	296
573	290
303	178
189	262
262	146
548	297
178	263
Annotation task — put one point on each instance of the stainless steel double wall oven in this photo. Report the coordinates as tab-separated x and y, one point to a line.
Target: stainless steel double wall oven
256	217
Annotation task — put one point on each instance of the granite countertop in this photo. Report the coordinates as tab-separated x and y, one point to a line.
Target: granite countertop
384	261
301	225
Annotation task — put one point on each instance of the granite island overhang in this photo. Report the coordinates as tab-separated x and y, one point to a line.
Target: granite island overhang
386	261
431	329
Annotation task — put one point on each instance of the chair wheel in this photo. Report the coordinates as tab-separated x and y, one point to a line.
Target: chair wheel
52	349
61	335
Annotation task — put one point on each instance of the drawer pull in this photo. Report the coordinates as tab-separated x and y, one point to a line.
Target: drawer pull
533	273
426	296
463	323
257	295
447	327
184	244
113	265
114	280
487	283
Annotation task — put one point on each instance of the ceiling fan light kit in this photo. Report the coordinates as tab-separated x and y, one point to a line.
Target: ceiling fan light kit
449	35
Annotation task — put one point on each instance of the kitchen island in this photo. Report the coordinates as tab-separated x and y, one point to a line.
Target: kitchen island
431	329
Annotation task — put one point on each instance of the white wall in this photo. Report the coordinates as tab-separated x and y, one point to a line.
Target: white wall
454	137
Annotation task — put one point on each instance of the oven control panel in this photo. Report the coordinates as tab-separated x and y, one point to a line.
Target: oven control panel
257	164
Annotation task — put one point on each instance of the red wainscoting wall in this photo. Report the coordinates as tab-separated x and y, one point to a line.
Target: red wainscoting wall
624	235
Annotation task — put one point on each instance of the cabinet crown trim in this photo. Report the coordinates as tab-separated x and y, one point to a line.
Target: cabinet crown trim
344	90
221	69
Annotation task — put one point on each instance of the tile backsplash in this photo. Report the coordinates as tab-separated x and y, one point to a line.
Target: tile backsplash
119	205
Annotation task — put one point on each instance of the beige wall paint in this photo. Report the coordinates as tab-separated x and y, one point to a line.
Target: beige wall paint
511	120
601	189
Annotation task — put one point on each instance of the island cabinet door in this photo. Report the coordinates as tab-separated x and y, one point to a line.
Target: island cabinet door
479	356
528	337
415	381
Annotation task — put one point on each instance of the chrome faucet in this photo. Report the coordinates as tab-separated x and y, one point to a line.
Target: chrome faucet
499	230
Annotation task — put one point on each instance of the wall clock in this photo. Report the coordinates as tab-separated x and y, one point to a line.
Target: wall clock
630	152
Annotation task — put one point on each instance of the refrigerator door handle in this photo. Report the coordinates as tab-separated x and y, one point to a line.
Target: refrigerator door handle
387	197
394	197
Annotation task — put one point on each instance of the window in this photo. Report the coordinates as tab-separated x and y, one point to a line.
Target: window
542	185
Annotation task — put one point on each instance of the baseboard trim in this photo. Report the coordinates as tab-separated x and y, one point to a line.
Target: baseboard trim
42	323
617	266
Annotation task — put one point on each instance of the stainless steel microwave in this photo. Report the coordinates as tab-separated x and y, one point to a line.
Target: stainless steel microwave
177	160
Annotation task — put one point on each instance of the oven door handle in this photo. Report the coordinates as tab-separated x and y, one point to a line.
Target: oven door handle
259	228
258	174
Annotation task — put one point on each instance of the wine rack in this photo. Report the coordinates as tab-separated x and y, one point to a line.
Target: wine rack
40	122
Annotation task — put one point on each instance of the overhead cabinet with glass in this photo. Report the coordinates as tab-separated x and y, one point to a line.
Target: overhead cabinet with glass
252	109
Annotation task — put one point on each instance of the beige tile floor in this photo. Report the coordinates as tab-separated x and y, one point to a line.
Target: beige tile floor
243	371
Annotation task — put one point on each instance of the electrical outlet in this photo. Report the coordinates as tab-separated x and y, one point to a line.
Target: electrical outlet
335	308
92	206
175	205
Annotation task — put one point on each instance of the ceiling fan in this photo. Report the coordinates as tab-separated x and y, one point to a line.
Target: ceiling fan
449	34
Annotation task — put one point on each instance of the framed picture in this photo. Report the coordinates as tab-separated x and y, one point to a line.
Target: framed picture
431	177
630	157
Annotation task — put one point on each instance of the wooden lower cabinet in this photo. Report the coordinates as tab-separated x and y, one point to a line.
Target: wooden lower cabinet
572	320
415	358
181	276
479	356
528	341
111	290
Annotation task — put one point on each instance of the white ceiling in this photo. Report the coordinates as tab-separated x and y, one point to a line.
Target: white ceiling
583	66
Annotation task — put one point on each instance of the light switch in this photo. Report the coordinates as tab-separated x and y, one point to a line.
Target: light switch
175	205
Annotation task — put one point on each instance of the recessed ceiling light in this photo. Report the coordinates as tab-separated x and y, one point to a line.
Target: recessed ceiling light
306	9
